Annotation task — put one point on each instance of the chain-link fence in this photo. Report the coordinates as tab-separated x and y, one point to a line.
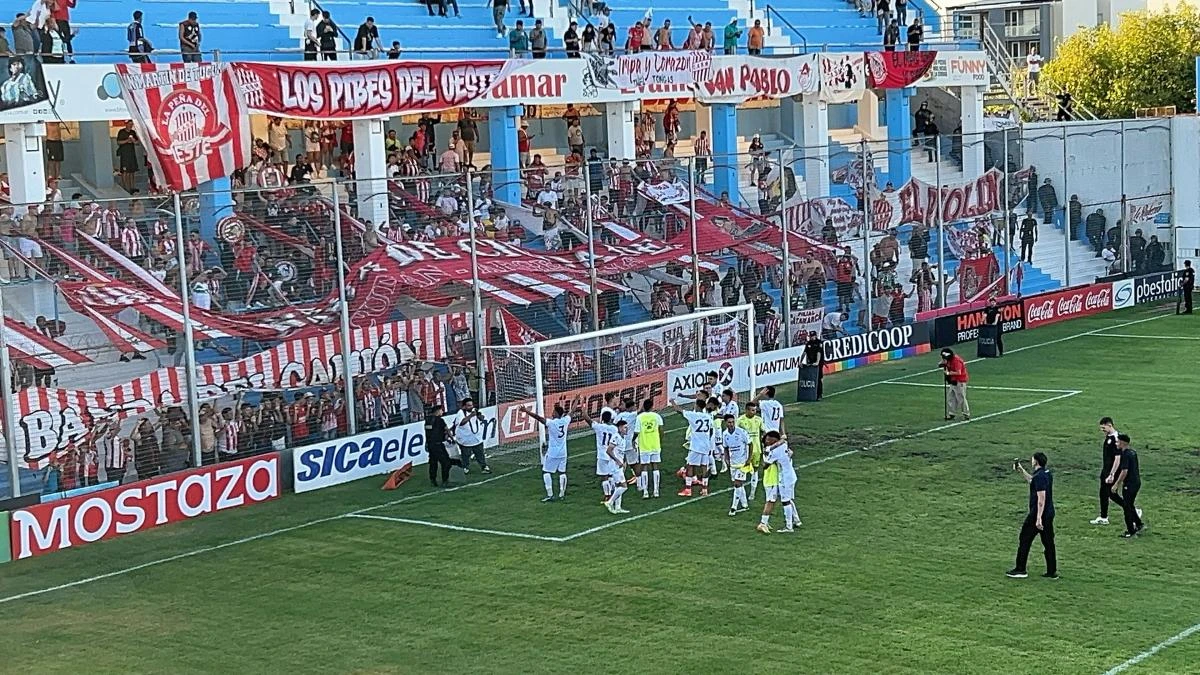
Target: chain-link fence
148	335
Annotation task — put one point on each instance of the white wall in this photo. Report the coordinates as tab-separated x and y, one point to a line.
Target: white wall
1076	14
1185	162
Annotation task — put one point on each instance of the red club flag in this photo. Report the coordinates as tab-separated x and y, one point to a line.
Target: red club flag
191	119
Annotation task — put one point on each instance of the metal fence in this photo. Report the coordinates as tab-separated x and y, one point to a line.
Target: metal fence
151	334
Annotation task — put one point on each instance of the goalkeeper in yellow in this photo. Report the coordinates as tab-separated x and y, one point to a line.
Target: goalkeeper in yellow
752	423
735	446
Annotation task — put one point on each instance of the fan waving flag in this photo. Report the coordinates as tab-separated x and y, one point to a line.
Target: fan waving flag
191	119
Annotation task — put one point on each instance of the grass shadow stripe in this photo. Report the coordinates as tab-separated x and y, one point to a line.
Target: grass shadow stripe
456	528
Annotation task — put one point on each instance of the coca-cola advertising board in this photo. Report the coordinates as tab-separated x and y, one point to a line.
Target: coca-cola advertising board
1048	308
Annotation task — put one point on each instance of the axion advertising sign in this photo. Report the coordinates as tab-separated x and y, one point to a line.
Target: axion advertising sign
1048	308
118	511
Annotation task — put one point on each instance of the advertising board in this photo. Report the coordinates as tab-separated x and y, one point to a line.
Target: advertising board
1048	308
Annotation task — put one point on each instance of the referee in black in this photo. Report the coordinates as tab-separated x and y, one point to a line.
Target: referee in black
1129	477
1039	520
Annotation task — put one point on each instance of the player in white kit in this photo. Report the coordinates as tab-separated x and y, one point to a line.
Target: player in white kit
606	437
612	458
772	412
728	406
554	459
632	458
781	484
735	445
700	423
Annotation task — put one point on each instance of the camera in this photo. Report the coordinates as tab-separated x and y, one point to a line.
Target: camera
1016	463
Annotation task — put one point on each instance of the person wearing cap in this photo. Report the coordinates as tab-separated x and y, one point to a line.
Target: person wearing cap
189	38
732	35
956	384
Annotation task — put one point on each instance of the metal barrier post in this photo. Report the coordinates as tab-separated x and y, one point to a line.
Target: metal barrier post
344	317
189	340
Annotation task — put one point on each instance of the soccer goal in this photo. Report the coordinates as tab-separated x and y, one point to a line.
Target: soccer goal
661	360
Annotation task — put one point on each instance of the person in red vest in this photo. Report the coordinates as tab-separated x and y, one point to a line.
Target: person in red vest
956	384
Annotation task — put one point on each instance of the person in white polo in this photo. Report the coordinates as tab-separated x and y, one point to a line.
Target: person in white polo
468	430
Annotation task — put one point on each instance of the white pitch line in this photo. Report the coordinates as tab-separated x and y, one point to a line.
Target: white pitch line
1006	352
457	528
1147	337
1178	637
972	388
830	458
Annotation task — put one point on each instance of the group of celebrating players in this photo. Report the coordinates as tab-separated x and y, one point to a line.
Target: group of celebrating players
751	447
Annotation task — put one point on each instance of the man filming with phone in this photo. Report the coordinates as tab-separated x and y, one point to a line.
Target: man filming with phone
956	384
1039	521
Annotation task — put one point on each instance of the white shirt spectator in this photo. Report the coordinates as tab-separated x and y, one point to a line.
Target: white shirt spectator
431	231
447	204
464	226
201	298
832	322
468	429
1034	62
548	197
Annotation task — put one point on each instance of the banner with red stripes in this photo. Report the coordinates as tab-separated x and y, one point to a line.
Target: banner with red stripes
190	117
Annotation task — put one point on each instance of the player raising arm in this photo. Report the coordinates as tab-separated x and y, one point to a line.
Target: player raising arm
752	423
632	460
736	444
780	481
772	411
700	423
606	436
649	439
554	456
613	461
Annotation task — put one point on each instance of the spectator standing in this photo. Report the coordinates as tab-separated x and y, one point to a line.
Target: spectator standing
915	32
662	37
571	41
637	33
902	12
5	50
523	144
499	9
1033	65
327	35
54	149
1029	234
695	38
393	52
468	131
311	40
1137	250
756	38
1048	198
189	38
732	35
891	36
883	16
702	149
1094	228
590	39
23	41
1074	215
127	163
1065	105
538	40
61	12
608	39
139	46
366	40
518	41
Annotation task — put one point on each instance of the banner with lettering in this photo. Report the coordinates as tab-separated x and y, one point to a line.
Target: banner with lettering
738	79
654	68
660	348
1140	211
722	341
191	119
805	321
896	70
843	77
665	192
920	202
336	90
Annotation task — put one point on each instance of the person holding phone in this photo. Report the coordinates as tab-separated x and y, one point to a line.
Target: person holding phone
1039	521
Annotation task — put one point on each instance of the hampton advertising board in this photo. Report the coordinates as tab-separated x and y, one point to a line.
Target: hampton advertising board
322	465
964	326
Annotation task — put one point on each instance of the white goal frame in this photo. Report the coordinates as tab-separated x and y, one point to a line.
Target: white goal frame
537	349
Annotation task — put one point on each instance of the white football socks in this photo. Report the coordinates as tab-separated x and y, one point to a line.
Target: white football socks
548	480
657	479
753	484
562	485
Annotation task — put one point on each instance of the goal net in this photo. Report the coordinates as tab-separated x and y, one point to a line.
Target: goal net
661	360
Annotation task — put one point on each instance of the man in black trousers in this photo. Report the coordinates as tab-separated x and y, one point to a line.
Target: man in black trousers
1129	477
1187	284
1039	520
1110	455
814	355
435	445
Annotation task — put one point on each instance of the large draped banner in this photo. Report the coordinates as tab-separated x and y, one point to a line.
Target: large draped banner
190	117
896	70
920	202
334	90
660	348
661	68
741	78
843	76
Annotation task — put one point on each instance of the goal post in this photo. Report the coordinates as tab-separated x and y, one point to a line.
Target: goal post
660	360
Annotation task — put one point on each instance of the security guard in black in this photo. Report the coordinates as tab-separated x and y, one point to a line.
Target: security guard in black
1039	521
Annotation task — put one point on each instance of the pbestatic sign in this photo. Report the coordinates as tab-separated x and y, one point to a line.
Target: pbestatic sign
1156	287
323	465
53	526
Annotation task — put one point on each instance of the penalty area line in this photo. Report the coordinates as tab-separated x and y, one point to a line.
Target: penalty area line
1178	637
1022	389
830	458
456	528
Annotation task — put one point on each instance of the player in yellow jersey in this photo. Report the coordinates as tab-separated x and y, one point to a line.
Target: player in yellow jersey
753	424
649	439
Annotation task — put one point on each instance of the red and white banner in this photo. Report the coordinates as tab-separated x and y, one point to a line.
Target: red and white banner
96	516
660	348
1145	210
191	119
805	321
738	79
27	344
809	217
957	69
723	341
50	420
976	276
1048	308
843	77
681	68
918	202
328	90
664	192
896	70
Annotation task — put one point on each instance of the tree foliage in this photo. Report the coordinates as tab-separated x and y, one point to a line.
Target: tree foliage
1149	61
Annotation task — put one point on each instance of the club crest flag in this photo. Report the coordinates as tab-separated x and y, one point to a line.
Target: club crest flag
190	118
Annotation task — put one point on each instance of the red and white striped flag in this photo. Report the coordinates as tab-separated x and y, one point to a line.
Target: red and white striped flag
191	119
